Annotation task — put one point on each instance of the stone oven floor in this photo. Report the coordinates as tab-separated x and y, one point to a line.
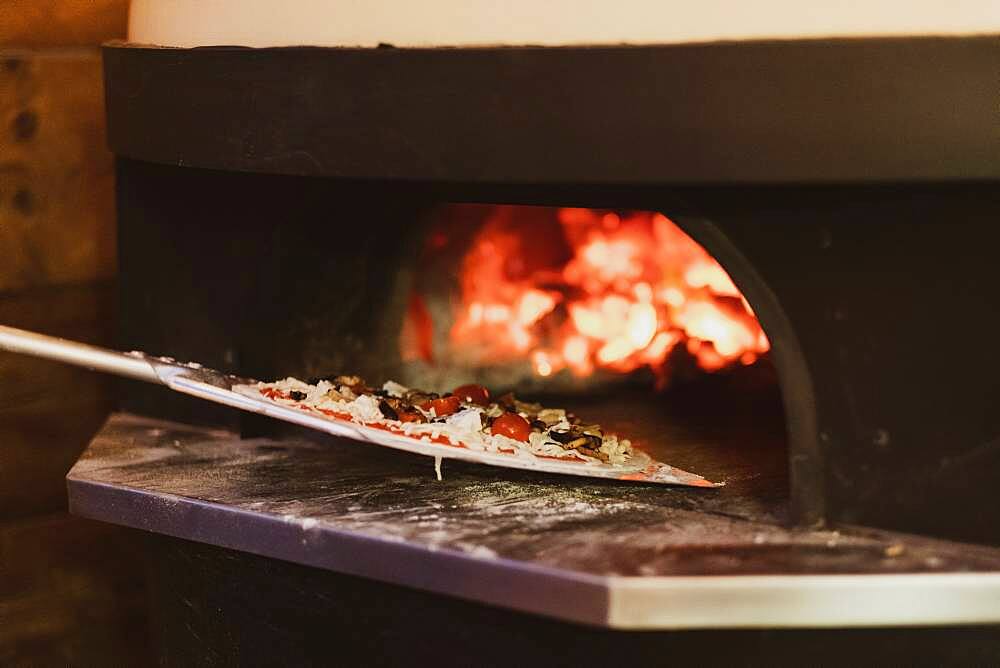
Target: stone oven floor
603	553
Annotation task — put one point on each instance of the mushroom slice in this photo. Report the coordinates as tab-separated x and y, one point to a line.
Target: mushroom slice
551	416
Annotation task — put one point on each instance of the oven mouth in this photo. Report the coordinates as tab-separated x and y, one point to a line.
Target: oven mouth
329	291
619	315
569	299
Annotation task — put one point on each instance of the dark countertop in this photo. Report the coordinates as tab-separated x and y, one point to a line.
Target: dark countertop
599	552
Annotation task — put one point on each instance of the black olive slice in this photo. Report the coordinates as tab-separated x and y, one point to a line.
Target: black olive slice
388	411
564	436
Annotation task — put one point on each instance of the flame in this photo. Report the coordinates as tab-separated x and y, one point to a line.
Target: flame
628	290
709	274
533	305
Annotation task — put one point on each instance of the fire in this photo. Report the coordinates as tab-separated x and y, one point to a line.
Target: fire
627	291
533	305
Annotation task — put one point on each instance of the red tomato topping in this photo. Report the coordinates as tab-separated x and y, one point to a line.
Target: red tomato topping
443	406
272	393
410	416
513	426
473	394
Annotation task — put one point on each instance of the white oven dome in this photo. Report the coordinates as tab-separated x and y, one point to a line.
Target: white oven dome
410	23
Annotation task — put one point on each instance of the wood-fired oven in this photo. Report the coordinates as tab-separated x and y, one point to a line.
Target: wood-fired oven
308	211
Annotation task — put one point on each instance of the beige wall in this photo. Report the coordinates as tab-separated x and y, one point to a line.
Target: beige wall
542	22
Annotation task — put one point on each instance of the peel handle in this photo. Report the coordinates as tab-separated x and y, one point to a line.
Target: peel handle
79	354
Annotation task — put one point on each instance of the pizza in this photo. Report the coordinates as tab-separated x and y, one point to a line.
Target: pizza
468	417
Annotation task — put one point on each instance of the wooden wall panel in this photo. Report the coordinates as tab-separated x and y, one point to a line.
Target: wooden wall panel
49	411
56	173
72	593
48	23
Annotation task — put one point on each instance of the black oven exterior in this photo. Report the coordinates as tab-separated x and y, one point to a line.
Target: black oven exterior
850	188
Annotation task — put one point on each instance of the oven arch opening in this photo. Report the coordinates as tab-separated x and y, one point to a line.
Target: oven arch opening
807	502
793	384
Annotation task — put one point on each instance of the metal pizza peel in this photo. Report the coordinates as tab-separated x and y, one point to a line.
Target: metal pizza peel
195	380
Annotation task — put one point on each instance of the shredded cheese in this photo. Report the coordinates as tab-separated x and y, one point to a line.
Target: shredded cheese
464	427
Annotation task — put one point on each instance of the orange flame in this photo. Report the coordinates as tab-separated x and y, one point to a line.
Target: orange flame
633	288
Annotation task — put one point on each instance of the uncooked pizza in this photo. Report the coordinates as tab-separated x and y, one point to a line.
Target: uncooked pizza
469	423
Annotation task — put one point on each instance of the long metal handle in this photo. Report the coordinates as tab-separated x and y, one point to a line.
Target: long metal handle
79	354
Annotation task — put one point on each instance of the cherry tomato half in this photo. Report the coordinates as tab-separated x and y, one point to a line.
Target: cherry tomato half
473	394
513	426
443	406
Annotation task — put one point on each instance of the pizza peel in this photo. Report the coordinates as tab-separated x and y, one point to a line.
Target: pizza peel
195	380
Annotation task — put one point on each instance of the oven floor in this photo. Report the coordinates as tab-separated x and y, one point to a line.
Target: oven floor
727	430
605	553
